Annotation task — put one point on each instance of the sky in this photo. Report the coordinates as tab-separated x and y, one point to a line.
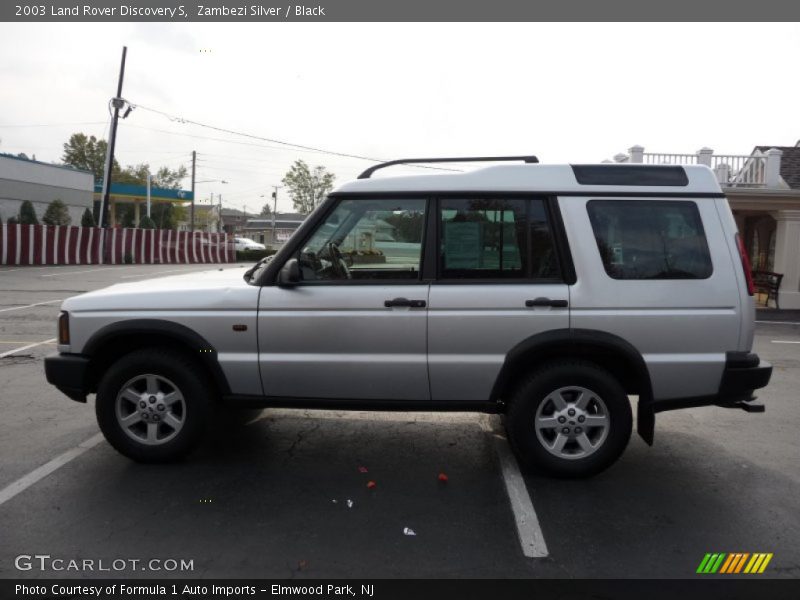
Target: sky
564	92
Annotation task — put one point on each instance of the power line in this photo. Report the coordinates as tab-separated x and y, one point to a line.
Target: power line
276	141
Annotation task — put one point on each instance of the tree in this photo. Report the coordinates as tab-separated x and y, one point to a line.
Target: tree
165	177
307	188
27	214
12	220
87	220
146	223
266	210
88	153
56	214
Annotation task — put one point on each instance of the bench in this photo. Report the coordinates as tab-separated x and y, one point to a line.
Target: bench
769	283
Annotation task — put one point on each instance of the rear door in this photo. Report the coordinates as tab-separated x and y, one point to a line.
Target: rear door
498	281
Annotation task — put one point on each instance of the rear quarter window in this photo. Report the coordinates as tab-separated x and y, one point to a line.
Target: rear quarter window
650	239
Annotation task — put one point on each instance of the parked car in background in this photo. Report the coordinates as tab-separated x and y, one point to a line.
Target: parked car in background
247	244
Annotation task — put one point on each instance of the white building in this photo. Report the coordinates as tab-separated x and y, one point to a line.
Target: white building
41	183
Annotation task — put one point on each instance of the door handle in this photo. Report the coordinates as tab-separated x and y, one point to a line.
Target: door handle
405	302
546	302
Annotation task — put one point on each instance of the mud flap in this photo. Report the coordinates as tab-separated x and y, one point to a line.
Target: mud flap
646	420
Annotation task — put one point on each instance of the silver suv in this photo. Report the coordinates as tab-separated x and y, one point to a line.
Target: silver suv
549	293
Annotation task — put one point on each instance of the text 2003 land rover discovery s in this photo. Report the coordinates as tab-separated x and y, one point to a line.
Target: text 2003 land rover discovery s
547	293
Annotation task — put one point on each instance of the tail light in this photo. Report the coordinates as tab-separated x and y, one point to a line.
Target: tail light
748	274
63	328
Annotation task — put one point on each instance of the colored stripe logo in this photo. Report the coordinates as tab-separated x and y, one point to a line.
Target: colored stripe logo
734	563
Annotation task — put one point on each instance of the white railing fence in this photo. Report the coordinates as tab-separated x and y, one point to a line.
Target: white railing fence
760	169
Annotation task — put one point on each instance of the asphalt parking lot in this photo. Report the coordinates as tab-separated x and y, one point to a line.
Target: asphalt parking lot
269	498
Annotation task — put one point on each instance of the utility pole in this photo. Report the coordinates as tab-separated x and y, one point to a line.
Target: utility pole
221	228
117	102
194	162
275	189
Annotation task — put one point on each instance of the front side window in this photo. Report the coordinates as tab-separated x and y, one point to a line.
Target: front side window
495	239
650	239
366	239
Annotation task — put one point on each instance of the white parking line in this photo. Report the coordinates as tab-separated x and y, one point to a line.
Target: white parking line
155	273
31	305
784	342
26	481
83	271
529	531
778	322
8	270
21	348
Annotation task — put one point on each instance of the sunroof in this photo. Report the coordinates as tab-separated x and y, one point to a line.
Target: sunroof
641	175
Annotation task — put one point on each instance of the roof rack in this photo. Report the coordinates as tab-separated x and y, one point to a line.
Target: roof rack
403	161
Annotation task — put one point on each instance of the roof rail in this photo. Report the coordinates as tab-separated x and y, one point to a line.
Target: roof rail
403	161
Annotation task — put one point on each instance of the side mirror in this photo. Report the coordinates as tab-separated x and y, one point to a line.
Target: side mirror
290	273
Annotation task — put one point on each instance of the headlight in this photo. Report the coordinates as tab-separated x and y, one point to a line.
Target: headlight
63	328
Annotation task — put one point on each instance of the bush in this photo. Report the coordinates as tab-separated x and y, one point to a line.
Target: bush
87	220
146	223
27	214
253	255
13	221
56	214
128	258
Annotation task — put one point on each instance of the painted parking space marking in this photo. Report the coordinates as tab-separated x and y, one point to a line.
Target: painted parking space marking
531	537
784	342
32	305
29	346
26	481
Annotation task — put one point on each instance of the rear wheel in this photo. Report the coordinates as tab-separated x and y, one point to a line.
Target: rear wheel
153	405
569	419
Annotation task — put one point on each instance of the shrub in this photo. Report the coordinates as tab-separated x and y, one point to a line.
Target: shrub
128	258
27	214
146	223
13	221
253	255
56	214
87	220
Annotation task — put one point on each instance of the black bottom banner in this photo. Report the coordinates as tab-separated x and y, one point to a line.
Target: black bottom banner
418	589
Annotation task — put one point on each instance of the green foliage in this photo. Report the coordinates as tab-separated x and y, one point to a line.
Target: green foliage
253	255
87	153
408	226
266	211
163	178
163	215
126	215
56	214
128	258
27	214
87	219
13	221
146	223
307	188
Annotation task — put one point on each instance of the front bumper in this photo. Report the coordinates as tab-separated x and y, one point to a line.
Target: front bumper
68	372
744	373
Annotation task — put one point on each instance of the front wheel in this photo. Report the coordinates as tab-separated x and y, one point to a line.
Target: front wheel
153	405
569	419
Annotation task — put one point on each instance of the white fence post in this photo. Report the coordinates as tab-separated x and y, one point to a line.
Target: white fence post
704	156
772	169
723	173
637	154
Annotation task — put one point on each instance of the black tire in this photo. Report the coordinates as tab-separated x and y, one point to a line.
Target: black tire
188	378
534	390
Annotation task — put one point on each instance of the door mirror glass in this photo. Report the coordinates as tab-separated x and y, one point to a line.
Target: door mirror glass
290	273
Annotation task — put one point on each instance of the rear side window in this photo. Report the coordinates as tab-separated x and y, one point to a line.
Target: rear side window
495	239
650	239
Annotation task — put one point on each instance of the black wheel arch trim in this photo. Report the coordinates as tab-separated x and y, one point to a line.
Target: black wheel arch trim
181	334
583	340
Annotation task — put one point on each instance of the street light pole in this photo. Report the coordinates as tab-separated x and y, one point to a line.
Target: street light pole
275	189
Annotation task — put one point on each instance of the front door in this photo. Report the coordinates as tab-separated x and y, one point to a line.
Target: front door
354	327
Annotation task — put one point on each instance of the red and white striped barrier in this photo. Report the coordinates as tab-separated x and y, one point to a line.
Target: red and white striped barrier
67	245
